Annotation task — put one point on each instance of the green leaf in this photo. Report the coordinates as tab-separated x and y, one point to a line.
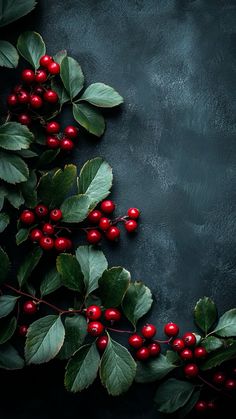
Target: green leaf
153	370
76	331
99	94
50	283
172	395
14	195
92	263
227	324
45	338
211	343
72	76
69	269
82	369
137	301
217	358
118	368
173	357
12	10
4	221
30	262
113	285
4	265
22	235
26	154
8	55
59	56
7	304
187	408
14	136
95	180
9	358
61	91
75	208
29	190
8	330
205	314
12	168
89	118
31	46
47	157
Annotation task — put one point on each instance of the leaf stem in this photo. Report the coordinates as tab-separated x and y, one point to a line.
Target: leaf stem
119	330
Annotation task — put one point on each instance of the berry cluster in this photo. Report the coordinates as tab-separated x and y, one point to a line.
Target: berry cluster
104	224
146	348
95	328
56	139
44	233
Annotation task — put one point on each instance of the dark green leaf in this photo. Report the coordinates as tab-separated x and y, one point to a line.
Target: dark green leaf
9	358
31	46
7	304
92	263
8	55
113	285
69	269
99	94
4	265
12	10
153	370
14	136
47	157
50	283
172	395
90	119
205	314
186	409
227	324
26	154
211	343
14	195
58	87
4	221
30	262
75	208
72	76
8	330
22	235
217	358
76	331
29	190
12	168
137	301
173	357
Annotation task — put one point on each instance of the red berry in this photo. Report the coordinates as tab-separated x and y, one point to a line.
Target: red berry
28	75
211	405
230	384
191	370
200	352
143	353
50	96
154	349
113	233
95	328
45	60
131	225
71	131
38	90
12	100
135	341
61	244
148	331
104	223
66	144
29	307
52	142
41	210
69	244
41	76
178	345
102	342
107	206
189	339
56	214
219	377
52	127
186	354
171	329
201	406
22	330
133	213
27	217
93	312
53	68
17	88
94	216
47	243
24	119
93	236
23	97
35	235
48	228
112	314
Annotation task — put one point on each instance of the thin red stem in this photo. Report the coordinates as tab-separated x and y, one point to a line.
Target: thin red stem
119	330
163	341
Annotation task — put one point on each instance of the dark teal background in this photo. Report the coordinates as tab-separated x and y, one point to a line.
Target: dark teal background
172	147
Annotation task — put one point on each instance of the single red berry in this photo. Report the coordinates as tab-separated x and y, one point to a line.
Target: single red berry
191	370
104	223
23	97
107	206
219	377
53	127
41	210
50	96
113	233
93	312
102	342
189	339
95	328
56	214
48	229
71	131
38	90
29	307
28	76
12	100
94	216
148	331
27	217
178	345
41	76
201	406
112	314
24	119
230	384
61	244
22	330
211	405
186	354
143	354
53	68
45	60
133	213
47	243
200	352
35	235
154	349
69	244
131	226
136	341
52	142
171	329
66	144
93	236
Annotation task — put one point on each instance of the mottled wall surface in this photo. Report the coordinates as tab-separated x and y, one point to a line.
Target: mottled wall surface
173	151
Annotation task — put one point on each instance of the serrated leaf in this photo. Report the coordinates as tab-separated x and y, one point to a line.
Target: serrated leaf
45	338
31	46
220	356
187	408
9	358
75	208
102	95
8	55
137	301
82	369
4	221
12	10
7	304
212	343
95	180
22	235
72	76
205	314
12	168
28	265
8	330
153	370
4	265
226	326
50	283
14	136
172	395
118	368
113	285
69	269
89	118
76	331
